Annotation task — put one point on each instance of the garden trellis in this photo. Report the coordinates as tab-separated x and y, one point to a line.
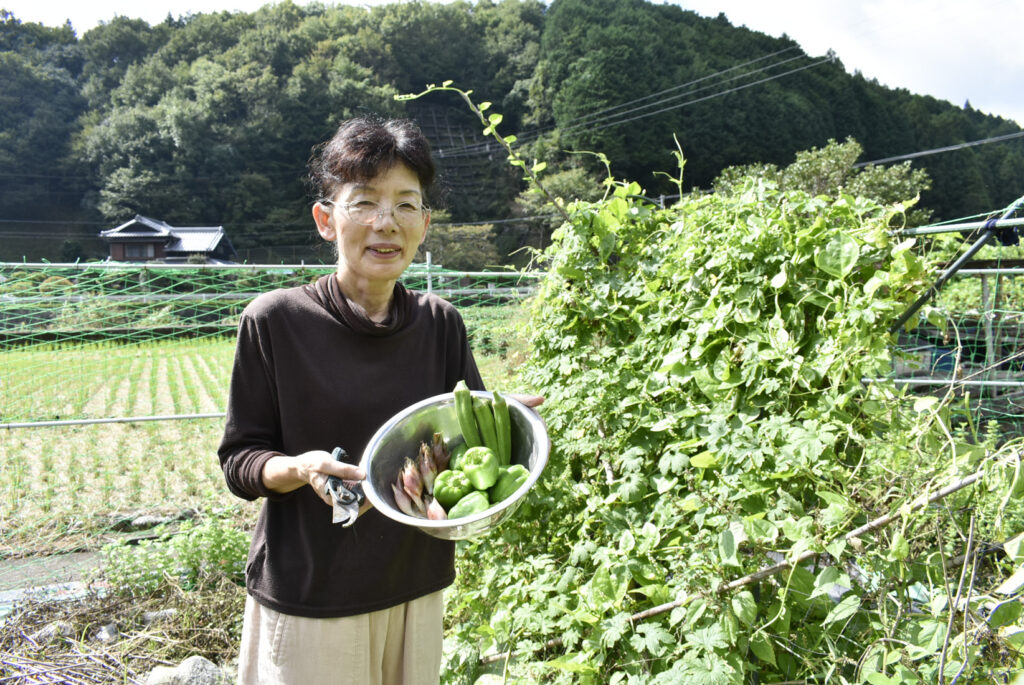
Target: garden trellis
971	346
100	342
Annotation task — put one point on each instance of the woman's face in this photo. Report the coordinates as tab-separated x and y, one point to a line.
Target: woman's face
381	251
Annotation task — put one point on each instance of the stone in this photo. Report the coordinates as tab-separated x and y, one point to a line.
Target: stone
51	632
108	634
151	617
195	670
162	675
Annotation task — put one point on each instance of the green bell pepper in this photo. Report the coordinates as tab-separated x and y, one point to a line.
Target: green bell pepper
509	480
456	456
472	503
480	465
451	486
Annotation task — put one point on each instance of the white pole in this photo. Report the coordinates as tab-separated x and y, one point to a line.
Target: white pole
430	279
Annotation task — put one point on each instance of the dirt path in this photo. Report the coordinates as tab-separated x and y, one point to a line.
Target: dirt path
33	572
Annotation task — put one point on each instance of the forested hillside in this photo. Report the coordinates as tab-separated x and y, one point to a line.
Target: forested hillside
208	119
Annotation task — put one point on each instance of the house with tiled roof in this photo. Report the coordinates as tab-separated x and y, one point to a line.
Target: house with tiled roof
144	240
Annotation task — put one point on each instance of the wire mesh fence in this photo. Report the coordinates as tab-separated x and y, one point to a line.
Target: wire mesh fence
95	359
90	342
104	350
969	346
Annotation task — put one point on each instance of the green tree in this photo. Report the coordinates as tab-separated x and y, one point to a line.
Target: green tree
110	49
38	107
831	170
463	248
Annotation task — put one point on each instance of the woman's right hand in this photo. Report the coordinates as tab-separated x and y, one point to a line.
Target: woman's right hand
284	474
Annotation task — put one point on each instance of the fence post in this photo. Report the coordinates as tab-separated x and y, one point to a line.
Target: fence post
987	314
430	278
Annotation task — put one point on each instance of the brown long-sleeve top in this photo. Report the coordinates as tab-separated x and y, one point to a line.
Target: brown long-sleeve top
311	372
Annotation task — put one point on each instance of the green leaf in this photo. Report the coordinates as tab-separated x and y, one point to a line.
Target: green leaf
727	548
626	542
839	256
612	629
652	638
762	648
1013	584
663	484
779	280
745	607
847	607
573	663
1005	613
608	586
704	460
708	639
836	548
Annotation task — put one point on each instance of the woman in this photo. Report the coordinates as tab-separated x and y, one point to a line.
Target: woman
325	365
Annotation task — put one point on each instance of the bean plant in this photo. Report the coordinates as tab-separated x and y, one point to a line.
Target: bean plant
711	373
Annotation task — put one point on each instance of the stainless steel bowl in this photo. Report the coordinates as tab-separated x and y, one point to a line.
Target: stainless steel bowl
401	436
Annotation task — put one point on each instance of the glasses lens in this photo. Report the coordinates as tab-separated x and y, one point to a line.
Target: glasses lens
405	213
363	212
408	212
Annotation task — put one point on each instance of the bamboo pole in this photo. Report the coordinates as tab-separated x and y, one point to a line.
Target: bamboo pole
921	502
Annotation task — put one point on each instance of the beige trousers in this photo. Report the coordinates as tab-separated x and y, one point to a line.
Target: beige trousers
396	646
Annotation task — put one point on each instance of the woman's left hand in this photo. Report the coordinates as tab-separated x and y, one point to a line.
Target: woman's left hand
531	401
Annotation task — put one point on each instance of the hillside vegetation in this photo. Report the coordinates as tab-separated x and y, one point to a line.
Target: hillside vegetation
208	119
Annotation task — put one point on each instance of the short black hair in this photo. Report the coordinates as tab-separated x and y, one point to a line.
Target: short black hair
365	147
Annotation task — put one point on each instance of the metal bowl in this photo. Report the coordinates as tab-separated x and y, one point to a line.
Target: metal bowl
401	436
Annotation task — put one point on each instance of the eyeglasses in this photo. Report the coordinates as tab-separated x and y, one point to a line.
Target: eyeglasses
367	212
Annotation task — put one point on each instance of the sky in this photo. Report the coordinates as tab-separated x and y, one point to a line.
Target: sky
954	50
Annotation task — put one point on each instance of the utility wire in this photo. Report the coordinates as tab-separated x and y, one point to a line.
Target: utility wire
488	146
709	97
937	150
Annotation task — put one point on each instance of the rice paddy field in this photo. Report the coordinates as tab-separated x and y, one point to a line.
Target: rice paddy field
67	488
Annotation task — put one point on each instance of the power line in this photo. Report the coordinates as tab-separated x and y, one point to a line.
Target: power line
488	146
937	150
714	95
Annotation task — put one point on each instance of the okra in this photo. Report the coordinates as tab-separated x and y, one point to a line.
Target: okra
502	429
485	421
465	415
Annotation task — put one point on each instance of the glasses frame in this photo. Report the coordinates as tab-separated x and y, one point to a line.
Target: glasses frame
345	207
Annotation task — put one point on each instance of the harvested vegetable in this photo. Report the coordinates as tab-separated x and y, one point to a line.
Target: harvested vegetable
473	503
464	414
502	429
480	465
485	423
450	487
457	453
427	467
509	480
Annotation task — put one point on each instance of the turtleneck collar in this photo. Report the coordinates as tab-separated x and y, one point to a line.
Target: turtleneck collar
328	293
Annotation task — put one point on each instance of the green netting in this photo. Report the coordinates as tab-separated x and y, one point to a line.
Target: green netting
102	341
969	344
